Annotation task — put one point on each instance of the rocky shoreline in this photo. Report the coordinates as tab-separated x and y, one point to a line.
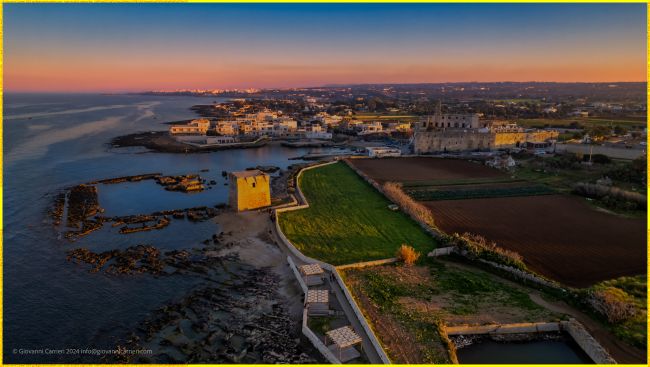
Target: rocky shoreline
247	311
160	141
246	307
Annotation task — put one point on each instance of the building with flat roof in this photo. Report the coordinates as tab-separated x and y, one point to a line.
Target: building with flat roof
249	190
195	127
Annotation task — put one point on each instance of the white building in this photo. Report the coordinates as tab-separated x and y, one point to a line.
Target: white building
220	140
228	127
371	128
378	152
195	127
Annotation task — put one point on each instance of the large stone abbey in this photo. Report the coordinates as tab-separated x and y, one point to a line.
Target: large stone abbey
466	132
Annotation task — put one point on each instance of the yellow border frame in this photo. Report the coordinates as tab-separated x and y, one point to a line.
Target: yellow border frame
250	2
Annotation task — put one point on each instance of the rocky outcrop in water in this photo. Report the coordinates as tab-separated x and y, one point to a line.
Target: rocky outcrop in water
239	321
183	183
133	260
82	203
56	213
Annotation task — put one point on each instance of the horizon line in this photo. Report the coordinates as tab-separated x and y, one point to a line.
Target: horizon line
334	85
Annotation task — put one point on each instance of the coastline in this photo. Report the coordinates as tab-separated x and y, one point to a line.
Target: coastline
160	141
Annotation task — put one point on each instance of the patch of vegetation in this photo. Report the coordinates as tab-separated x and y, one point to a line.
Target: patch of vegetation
348	221
622	302
477	247
634	172
476	193
563	170
384	292
465	292
320	325
468	284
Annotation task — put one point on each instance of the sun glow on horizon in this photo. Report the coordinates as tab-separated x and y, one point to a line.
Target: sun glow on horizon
65	47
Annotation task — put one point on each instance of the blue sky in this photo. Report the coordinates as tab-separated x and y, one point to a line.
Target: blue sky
228	45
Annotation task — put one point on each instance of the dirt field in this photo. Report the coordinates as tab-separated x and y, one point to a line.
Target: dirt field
559	236
423	169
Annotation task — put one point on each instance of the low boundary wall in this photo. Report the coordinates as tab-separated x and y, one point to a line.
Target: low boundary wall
521	274
368	263
527	327
295	271
362	320
306	331
575	329
594	350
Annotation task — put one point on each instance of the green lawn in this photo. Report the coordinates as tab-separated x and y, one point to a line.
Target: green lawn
348	221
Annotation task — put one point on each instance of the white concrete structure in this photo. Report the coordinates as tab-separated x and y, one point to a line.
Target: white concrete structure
378	152
195	127
371	128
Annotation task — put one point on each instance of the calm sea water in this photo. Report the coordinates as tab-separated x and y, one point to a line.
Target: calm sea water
54	141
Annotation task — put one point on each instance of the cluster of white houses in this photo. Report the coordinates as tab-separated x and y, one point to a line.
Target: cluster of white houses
275	124
251	125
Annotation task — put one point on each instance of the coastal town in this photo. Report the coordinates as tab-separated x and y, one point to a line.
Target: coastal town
310	184
578	125
430	182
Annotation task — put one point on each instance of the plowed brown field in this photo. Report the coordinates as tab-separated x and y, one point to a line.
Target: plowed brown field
559	236
423	169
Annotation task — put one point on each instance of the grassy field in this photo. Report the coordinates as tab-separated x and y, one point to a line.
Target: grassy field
348	221
407	305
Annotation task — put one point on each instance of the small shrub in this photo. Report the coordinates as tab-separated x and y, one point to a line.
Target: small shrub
613	303
407	254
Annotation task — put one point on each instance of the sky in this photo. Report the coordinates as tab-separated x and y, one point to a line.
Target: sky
136	47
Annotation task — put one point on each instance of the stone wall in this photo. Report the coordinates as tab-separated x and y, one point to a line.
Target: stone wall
317	343
575	329
593	349
296	273
517	328
357	311
451	140
362	320
443	251
366	264
459	140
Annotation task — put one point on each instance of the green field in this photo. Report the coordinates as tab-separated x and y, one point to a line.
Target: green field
348	221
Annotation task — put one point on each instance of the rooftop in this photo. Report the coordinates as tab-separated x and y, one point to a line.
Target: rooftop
344	337
248	173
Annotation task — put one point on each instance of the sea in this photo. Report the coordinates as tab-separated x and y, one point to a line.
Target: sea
53	307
